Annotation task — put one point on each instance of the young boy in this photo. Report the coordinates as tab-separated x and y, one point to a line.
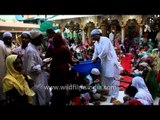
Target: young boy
129	99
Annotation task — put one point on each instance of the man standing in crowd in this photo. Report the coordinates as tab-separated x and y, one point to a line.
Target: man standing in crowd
20	50
8	42
110	69
111	36
33	65
3	55
50	35
6	46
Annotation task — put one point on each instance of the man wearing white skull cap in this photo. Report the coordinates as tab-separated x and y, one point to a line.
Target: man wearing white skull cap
7	38
20	50
8	41
7	34
144	64
94	74
5	50
96	31
33	65
97	90
35	33
95	71
110	70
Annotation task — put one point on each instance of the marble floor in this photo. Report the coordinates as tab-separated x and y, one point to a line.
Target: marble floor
120	98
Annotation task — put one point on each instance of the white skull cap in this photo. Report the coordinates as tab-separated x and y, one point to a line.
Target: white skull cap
95	71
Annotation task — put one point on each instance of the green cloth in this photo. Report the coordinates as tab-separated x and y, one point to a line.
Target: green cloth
75	36
149	51
70	35
151	82
136	40
48	25
65	35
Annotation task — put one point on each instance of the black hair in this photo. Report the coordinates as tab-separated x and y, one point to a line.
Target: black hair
27	35
131	91
100	34
50	31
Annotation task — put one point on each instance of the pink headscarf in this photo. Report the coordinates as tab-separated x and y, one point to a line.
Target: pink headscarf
86	43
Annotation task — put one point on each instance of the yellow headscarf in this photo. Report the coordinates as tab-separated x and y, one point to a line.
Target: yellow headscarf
15	79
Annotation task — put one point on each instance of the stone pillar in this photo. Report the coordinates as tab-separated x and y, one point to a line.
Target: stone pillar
62	32
140	30
97	22
89	34
122	32
83	36
90	26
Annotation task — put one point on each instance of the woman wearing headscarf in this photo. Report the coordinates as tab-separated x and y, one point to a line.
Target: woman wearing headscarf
15	84
143	94
149	76
127	43
59	75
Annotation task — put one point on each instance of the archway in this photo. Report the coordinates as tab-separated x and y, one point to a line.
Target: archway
153	23
74	29
108	25
88	28
115	25
131	27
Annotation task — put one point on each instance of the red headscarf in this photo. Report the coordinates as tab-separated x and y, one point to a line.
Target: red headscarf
135	102
77	101
58	40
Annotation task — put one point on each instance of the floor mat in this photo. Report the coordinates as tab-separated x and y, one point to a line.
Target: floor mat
126	64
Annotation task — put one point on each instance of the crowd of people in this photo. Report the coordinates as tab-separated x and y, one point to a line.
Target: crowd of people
31	70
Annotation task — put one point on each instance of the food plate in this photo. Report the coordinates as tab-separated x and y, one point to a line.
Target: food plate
47	59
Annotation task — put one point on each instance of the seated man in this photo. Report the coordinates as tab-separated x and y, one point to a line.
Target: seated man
97	90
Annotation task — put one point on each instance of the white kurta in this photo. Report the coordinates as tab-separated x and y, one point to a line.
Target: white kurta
3	55
32	60
109	64
9	49
4	52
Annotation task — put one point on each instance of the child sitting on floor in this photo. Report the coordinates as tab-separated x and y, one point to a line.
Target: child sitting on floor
130	99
